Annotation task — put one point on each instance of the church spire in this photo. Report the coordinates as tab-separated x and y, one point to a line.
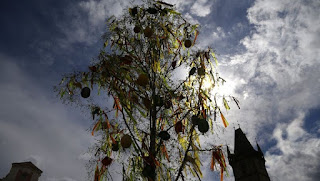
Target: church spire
259	149
228	151
242	144
230	156
247	163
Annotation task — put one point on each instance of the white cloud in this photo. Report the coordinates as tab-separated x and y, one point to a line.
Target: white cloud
201	8
35	128
45	49
99	11
85	156
219	33
280	68
191	19
87	21
61	179
299	153
88	17
180	5
36	160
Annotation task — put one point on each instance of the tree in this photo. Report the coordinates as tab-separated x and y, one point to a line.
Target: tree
155	122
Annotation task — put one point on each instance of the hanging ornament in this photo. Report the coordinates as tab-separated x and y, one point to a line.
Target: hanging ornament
148	32
126	141
201	71
115	146
134	11
178	127
106	161
173	64
137	29
187	43
192	71
142	80
195	120
164	135
152	10
203	126
85	92
126	60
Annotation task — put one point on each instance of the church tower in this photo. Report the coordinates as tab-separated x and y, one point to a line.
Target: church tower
247	163
25	171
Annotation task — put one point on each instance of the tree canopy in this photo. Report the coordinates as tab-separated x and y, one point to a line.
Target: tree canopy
161	88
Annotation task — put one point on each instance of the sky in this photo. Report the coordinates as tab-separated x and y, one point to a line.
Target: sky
268	52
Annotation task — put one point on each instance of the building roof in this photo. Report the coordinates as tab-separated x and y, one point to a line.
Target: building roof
28	165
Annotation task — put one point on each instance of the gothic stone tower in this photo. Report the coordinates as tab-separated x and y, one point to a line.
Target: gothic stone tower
25	171
247	163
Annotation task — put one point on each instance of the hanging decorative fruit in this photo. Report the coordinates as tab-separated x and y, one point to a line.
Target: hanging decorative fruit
134	11
126	60
115	146
201	71
126	141
137	29
187	43
195	120
203	126
106	161
93	68
148	32
142	80
85	92
117	29
164	135
152	10
178	127
173	64
192	71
